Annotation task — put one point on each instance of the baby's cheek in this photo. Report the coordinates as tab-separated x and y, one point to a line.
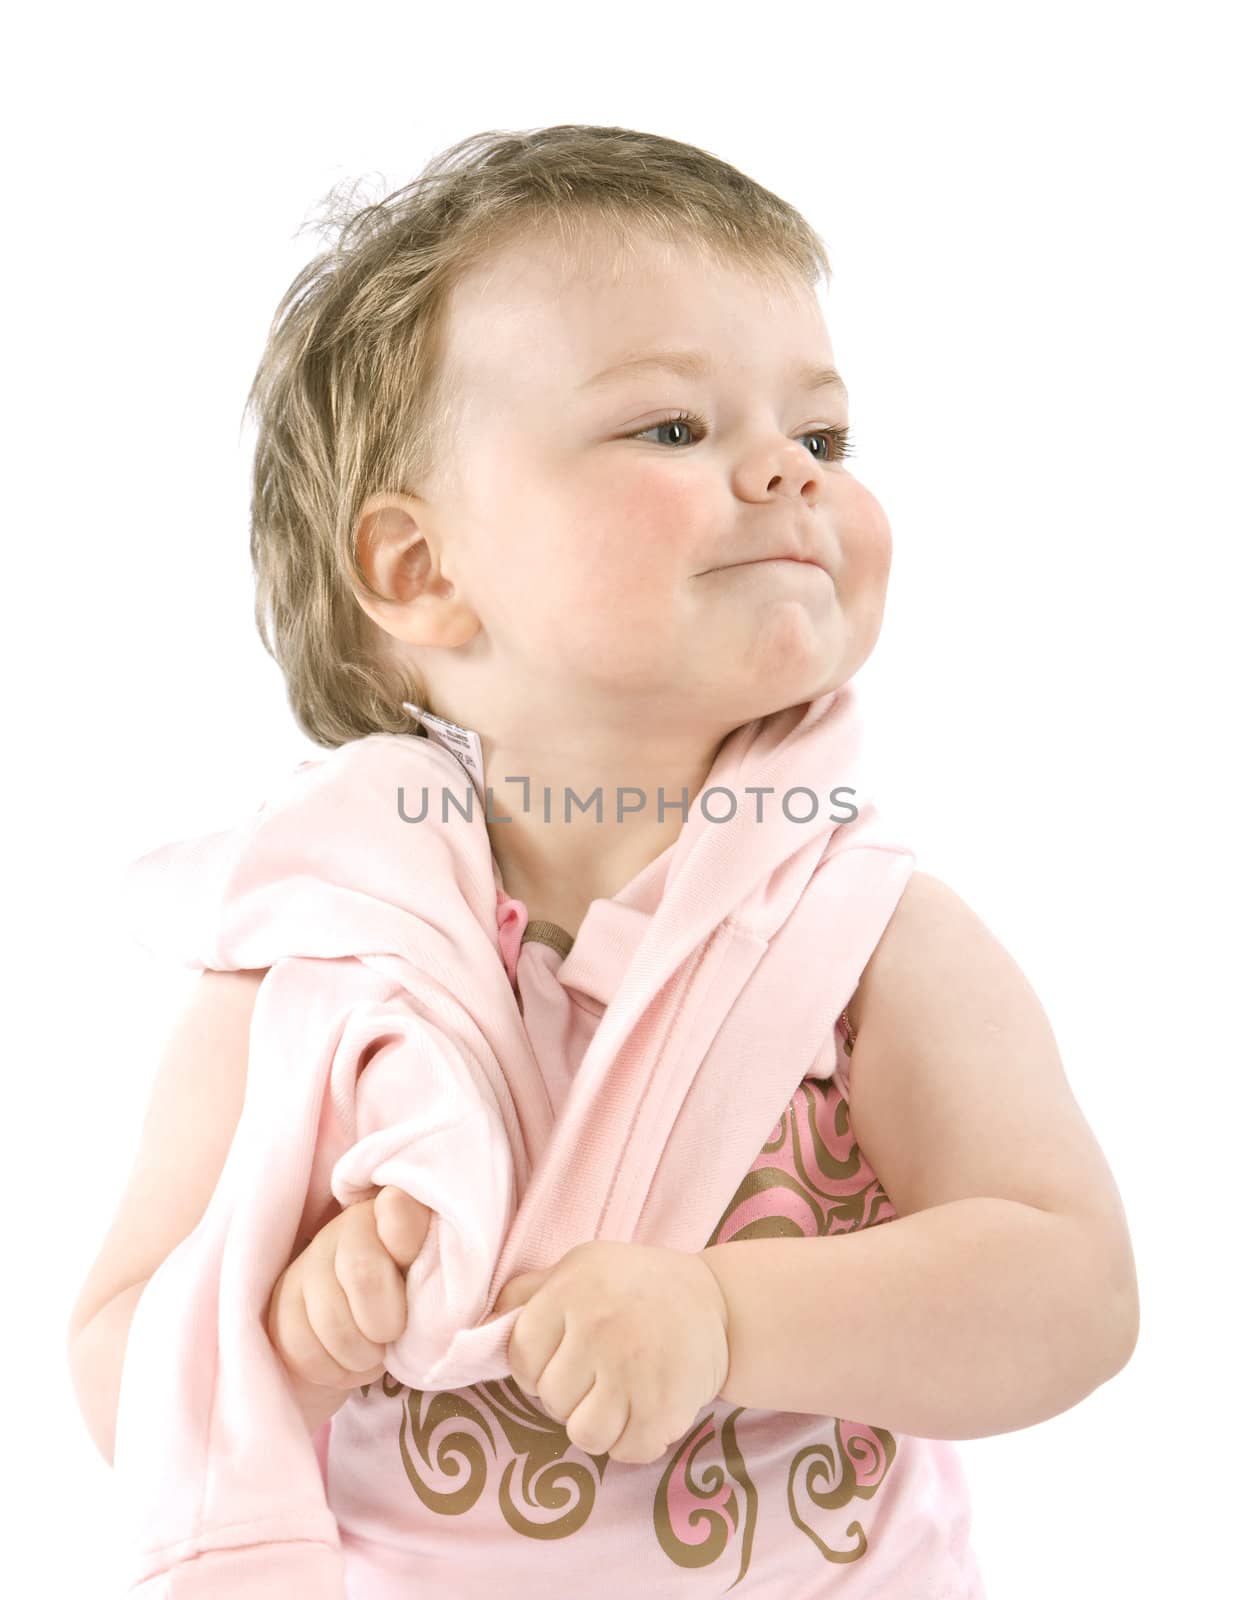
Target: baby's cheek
646	519
862	584
618	622
866	538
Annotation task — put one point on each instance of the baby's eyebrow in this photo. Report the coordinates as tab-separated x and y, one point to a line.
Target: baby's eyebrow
695	364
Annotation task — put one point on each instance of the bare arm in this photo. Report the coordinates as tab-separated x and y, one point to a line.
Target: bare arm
195	1104
96	1355
1004	1290
964	1320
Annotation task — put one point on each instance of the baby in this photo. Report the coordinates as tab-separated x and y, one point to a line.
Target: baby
552	447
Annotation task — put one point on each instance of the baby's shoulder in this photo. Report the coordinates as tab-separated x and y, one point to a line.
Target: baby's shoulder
929	924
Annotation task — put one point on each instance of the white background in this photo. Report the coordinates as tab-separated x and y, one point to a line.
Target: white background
1034	215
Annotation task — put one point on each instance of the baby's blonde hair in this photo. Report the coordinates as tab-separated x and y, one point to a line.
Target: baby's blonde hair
350	396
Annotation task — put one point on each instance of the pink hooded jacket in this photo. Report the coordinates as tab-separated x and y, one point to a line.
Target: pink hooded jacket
387	1047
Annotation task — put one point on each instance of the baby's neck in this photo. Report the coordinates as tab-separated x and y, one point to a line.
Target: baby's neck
553	891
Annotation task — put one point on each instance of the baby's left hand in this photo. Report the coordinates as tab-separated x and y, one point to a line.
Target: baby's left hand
622	1343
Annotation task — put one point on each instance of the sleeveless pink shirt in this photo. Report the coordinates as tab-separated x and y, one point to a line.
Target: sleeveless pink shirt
474	1493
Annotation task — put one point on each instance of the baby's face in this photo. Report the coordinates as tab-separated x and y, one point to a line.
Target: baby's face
603	548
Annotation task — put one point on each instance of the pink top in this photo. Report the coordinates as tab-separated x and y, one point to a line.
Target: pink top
465	1485
678	1079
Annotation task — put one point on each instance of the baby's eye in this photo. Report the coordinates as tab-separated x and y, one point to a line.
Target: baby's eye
838	440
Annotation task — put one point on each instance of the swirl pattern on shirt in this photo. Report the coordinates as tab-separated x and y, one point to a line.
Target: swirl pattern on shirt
809	1180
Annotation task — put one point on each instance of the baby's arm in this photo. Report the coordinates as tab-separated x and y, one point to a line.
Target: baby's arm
1004	1289
195	1104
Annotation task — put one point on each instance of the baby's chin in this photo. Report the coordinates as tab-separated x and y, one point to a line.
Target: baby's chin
744	702
787	667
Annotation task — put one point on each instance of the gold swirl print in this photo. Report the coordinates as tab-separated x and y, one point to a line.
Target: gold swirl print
854	1466
685	1506
810	1179
468	1421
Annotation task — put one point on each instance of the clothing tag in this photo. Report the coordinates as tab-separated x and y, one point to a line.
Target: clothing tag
463	744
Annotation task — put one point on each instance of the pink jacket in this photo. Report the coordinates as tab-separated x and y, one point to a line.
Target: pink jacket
387	1047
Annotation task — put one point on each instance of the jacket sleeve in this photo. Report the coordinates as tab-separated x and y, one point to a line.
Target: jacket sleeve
348	1086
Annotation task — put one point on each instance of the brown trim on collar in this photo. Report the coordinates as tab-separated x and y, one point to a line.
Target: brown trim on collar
547	933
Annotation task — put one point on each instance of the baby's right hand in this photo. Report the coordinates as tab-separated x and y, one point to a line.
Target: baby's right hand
344	1298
